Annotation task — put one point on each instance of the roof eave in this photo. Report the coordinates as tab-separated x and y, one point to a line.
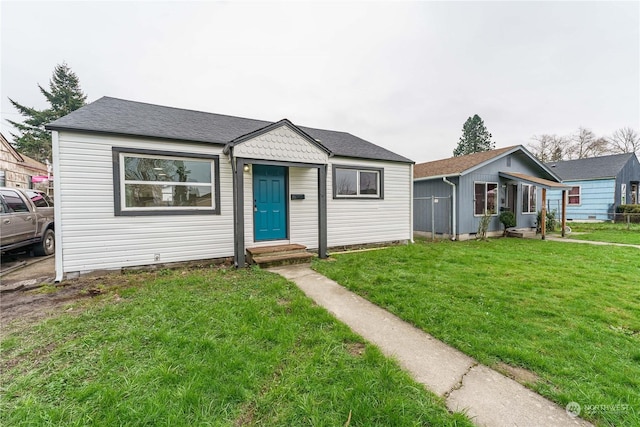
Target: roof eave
405	161
134	135
535	181
429	178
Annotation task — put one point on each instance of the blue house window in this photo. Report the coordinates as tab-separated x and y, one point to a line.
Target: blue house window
529	198
574	196
485	198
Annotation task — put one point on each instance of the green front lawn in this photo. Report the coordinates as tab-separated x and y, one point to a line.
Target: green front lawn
606	232
568	314
204	347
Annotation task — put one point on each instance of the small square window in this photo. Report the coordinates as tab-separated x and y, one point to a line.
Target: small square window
574	196
354	182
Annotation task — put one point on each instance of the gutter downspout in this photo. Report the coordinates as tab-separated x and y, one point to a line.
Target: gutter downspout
411	206
453	207
57	208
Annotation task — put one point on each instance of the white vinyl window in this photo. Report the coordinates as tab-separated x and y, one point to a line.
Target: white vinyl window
573	197
350	182
485	198
529	198
163	184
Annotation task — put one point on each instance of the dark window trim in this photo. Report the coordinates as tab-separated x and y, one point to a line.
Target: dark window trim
117	180
358	168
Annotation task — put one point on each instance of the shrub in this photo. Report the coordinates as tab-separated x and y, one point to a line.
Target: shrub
551	221
483	226
629	213
508	220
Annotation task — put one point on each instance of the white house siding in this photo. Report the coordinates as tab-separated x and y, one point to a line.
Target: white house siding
304	213
358	221
94	238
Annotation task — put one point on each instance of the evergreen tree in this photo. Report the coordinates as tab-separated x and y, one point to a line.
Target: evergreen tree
64	96
475	138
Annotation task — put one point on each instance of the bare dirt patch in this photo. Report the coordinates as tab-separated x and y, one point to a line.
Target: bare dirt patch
356	348
22	308
523	376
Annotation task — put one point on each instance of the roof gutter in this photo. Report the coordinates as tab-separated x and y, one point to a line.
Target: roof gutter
429	178
453	207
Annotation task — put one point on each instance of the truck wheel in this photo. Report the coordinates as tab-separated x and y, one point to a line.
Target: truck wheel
48	244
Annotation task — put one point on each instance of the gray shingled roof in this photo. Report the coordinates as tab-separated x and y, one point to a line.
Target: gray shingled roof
119	116
590	168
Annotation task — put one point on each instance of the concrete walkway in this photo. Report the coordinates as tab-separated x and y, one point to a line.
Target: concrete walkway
590	242
487	397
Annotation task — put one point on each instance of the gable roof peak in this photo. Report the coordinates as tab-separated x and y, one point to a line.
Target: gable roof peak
459	165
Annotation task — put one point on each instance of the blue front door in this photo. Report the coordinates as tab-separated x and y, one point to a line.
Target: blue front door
269	202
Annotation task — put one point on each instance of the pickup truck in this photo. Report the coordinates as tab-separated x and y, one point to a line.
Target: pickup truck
26	221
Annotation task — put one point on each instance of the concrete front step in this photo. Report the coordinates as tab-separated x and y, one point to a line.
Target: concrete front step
259	250
265	261
523	233
271	256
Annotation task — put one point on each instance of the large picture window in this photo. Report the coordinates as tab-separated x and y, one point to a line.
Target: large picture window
155	182
485	198
574	196
529	198
354	182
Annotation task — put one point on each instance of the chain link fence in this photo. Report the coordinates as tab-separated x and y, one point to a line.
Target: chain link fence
432	215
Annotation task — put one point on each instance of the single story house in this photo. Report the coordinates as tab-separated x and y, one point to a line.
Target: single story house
598	185
20	171
141	184
452	195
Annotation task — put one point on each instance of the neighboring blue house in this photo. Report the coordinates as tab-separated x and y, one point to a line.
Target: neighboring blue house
451	195
598	185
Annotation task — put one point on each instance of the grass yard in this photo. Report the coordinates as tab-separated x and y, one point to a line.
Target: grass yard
606	232
563	319
204	347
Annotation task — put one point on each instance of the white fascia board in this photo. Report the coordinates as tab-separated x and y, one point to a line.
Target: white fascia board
439	177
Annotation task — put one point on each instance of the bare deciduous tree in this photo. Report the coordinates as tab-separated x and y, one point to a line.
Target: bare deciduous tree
585	144
625	140
548	148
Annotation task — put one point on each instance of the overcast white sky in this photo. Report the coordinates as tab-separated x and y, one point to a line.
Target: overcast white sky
403	75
